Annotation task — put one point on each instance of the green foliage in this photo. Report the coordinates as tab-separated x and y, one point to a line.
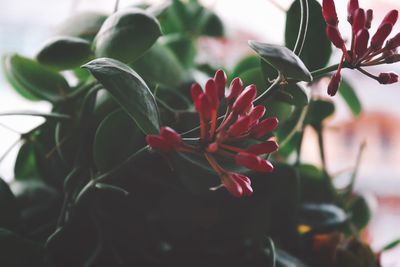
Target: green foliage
126	35
351	98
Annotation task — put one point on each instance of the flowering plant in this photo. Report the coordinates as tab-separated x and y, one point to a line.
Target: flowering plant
137	165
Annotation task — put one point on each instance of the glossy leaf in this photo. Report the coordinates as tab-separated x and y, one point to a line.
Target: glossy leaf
359	212
159	65
64	52
183	47
317	48
129	90
126	35
283	60
350	97
210	24
246	63
33	80
116	138
293	94
391	245
318	111
83	25
25	165
254	76
8	208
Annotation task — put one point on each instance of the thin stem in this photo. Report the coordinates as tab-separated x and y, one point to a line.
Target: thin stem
367	73
277	5
321	147
321	72
116	6
350	187
301	37
10	129
9	149
269	90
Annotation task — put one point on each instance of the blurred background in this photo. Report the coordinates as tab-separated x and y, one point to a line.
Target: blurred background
25	25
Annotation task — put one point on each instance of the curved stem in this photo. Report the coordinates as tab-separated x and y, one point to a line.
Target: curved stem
301	37
269	90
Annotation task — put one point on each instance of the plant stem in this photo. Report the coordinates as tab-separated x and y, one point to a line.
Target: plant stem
269	91
301	37
321	147
321	72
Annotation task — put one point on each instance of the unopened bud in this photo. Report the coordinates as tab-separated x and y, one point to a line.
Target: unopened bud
368	19
388	78
329	12
380	36
394	42
392	59
334	36
352	6
359	19
334	84
361	42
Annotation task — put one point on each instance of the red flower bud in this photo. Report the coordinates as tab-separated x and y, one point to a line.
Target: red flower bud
391	17
159	143
334	84
171	136
196	91
263	148
358	20
380	36
240	127
233	187
212	93
264	127
351	7
203	106
368	19
245	100
235	89
361	42
329	12
394	42
257	112
220	82
334	36
244	183
253	162
388	78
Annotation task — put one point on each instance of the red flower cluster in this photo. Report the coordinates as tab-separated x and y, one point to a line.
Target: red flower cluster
364	51
242	120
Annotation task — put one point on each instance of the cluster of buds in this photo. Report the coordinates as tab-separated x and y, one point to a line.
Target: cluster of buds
221	138
364	51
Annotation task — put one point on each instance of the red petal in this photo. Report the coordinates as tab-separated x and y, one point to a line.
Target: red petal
265	126
352	6
334	84
361	42
394	42
359	19
245	100
368	19
196	91
158	142
253	162
220	81
391	17
240	127
212	93
263	148
244	182
380	36
265	166
231	185
235	89
203	106
334	36
170	135
257	112
329	12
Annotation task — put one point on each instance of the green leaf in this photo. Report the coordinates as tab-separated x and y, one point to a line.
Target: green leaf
318	111
159	65
322	217
283	60
359	211
25	165
246	63
116	138
183	47
293	94
83	25
254	76
283	111
210	24
64	52
391	245
126	35
129	90
19	252
8	208
351	98
33	80
317	48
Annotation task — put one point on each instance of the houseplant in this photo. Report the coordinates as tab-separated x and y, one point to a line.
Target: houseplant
107	180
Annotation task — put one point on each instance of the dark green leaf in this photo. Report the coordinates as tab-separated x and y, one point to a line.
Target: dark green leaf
245	64
283	111
83	25
33	80
322	217
65	52
254	76
159	65
318	111
183	47
126	35
19	252
129	90
283	60
293	94
8	208
351	98
359	211
391	245
116	138
25	165
210	24
317	48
